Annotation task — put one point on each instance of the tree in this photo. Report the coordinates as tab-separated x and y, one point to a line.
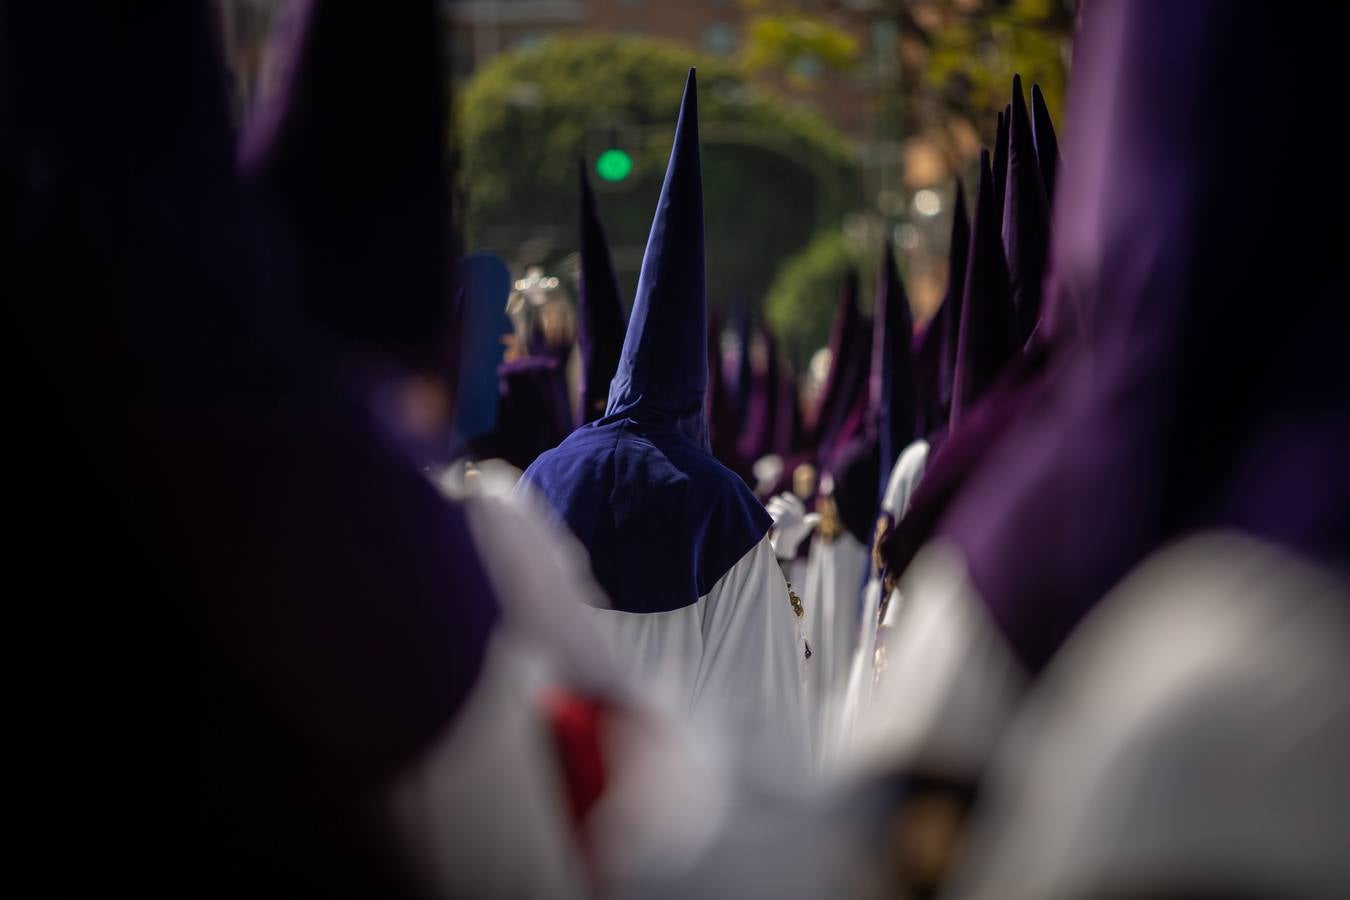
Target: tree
773	175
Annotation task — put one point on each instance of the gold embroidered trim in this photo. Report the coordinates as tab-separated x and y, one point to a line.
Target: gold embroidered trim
879	656
831	526
799	611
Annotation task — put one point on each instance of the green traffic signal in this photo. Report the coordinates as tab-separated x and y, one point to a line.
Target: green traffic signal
614	165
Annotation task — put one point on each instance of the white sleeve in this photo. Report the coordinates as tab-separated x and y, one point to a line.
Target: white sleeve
750	677
909	468
947	682
1195	725
542	579
858	690
832	597
481	814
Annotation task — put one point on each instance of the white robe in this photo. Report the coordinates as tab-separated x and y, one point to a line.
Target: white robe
484	811
731	664
1194	730
905	476
831	593
947	681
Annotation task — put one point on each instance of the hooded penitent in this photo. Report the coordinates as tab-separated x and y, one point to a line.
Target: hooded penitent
1001	161
992	385
1026	216
601	324
935	349
1191	402
661	518
988	336
843	342
533	411
1047	145
787	420
757	432
841	410
891	384
484	285
309	612
353	161
724	425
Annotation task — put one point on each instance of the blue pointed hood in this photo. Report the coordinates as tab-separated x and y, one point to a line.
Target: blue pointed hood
660	518
663	373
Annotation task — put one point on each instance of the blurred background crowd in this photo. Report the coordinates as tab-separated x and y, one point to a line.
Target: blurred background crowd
943	494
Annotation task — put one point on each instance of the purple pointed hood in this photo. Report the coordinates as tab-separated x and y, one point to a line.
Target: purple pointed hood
1047	145
892	396
757	433
845	385
935	349
601	324
309	612
1001	160
533	413
988	337
1026	217
788	428
1193	403
353	160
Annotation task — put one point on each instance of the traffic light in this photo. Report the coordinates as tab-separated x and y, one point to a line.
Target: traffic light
614	165
614	147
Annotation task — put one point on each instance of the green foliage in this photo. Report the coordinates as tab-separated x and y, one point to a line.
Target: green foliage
782	40
971	58
773	175
800	305
948	60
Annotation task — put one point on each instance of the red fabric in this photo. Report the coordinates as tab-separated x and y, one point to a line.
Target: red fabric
576	723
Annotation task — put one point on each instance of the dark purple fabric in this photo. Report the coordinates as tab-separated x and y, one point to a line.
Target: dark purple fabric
881	389
936	347
252	603
1026	217
1001	160
1047	144
953	455
757	433
848	414
661	518
988	336
843	343
855	472
744	382
926	350
787	423
724	427
353	160
1197	399
533	411
601	322
891	391
853	418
